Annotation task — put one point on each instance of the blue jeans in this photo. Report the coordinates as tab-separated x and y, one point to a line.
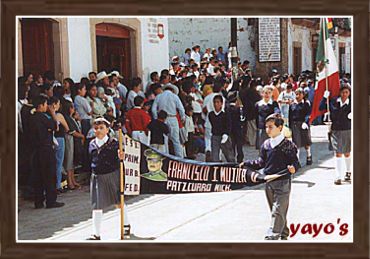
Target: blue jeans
174	136
59	154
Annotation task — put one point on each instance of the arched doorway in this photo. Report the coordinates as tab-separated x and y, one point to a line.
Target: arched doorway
40	45
113	46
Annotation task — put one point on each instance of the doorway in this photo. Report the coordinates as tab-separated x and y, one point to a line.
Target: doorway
114	49
37	45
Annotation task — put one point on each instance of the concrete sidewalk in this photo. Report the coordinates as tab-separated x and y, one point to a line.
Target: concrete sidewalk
238	216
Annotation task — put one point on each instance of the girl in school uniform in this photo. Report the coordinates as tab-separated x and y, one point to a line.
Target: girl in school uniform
341	116
264	108
105	177
299	112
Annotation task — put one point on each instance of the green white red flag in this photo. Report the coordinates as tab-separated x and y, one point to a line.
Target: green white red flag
328	75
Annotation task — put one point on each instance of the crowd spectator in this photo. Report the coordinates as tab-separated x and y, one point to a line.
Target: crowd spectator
192	106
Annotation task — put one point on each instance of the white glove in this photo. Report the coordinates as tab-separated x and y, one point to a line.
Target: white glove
326	94
349	116
224	138
304	126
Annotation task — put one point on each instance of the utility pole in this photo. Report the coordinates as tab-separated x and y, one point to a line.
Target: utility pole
233	50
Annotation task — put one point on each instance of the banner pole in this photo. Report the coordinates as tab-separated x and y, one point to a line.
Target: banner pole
121	186
324	26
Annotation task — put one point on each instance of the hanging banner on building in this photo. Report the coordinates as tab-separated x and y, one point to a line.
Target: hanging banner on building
148	171
269	39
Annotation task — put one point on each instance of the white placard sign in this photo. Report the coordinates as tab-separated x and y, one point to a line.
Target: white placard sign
269	39
132	166
153	30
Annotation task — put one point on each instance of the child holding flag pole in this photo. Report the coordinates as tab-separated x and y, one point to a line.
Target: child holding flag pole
106	182
341	117
328	84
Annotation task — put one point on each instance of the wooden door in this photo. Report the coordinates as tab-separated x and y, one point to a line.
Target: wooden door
113	49
37	45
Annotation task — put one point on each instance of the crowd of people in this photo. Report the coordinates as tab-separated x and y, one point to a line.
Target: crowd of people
192	107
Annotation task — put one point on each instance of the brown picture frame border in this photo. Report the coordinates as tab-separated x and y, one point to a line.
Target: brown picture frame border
358	249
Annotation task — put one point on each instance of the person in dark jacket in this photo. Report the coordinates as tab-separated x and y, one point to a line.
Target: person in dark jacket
299	115
238	123
221	130
341	116
278	155
158	129
263	109
249	97
42	126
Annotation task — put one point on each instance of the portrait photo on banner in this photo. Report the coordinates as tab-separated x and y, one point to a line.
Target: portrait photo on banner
184	129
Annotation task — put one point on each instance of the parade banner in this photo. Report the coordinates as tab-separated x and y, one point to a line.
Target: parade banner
149	171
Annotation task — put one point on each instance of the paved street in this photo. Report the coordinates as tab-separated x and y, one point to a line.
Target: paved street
237	216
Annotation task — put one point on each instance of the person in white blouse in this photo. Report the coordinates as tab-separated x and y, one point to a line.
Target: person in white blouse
195	54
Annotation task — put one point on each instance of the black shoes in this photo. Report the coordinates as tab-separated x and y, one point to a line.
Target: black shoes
347	178
309	160
271	237
93	237
55	205
40	205
127	230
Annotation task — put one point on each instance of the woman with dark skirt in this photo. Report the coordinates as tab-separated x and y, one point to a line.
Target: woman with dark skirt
105	177
299	112
264	108
341	116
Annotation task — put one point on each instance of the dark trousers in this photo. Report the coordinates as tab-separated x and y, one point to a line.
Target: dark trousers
226	148
45	175
237	141
29	191
85	127
189	145
277	193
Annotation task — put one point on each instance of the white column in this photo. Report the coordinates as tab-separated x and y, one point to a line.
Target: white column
79	43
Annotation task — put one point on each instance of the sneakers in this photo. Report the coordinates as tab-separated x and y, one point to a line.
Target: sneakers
338	182
309	160
347	178
55	205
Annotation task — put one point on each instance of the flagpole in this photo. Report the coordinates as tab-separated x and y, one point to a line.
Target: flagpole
325	67
121	186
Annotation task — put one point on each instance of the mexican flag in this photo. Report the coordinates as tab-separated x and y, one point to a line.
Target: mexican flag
327	68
